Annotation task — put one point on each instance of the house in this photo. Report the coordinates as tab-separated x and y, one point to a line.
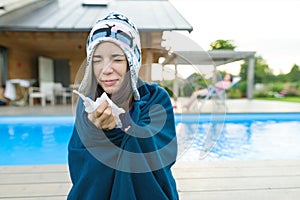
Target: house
45	40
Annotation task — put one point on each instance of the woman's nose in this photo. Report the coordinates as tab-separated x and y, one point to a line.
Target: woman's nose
107	68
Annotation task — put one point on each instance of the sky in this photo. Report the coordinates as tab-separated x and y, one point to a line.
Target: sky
271	28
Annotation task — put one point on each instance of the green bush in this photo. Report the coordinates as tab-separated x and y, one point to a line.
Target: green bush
234	93
242	86
262	94
275	87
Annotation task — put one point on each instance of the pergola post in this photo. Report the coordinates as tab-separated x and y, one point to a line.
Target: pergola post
250	78
175	83
148	63
145	71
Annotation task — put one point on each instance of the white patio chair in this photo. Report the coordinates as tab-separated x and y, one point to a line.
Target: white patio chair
45	92
67	93
62	92
58	91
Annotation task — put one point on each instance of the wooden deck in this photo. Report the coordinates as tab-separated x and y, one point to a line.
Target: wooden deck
246	180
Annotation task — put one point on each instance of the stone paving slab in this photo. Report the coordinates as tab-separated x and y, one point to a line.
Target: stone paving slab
232	106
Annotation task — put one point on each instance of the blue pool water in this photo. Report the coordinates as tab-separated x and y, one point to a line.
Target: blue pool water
43	140
251	137
34	140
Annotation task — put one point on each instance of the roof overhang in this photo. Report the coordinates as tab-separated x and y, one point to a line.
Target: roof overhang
212	57
71	15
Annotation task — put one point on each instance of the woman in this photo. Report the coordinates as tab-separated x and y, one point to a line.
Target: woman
131	161
221	85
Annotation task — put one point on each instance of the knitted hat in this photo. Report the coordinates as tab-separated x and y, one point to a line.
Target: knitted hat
118	29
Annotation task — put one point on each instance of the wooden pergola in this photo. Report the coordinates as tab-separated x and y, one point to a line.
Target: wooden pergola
213	58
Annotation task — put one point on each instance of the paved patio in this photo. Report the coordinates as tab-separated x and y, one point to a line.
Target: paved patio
242	106
233	106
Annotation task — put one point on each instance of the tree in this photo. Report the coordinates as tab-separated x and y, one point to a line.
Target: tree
294	74
262	72
222	44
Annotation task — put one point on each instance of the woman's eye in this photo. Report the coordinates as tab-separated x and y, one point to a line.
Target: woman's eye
119	60
96	61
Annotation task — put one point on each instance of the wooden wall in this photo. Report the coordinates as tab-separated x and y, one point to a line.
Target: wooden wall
24	48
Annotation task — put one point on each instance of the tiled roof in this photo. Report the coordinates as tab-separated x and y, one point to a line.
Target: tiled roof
71	15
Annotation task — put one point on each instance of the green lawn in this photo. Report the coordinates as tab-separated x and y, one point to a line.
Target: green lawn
286	99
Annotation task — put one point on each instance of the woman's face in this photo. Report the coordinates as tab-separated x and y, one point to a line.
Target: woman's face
227	77
110	66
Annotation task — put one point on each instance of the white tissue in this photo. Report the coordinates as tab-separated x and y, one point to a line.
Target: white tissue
91	106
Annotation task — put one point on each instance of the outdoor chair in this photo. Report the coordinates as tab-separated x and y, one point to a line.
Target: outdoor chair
67	93
62	92
45	93
219	95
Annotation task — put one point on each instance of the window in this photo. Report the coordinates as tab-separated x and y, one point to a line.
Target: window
3	65
95	2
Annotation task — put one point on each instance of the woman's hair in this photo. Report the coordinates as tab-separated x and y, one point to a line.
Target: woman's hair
231	77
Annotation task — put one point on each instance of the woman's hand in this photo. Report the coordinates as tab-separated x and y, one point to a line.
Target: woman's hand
102	117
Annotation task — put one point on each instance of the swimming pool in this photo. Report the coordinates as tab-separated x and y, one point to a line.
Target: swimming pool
34	140
252	137
43	140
